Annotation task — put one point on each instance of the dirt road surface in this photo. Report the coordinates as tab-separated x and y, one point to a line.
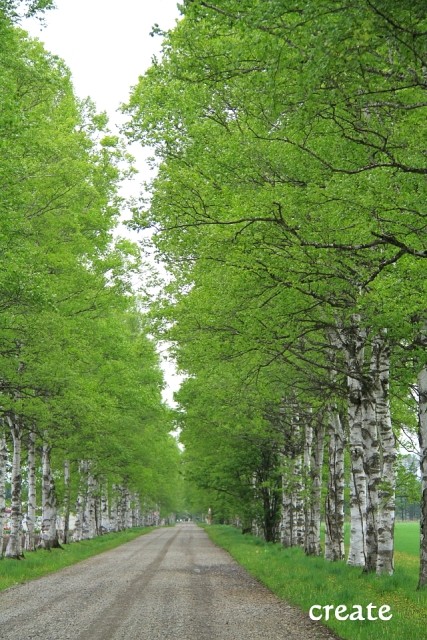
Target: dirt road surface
172	584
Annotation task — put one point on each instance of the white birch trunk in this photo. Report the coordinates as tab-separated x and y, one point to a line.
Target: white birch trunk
292	525
128	509
422	437
387	486
80	502
298	485
287	533
67	500
307	480
372	460
312	541
97	510
113	509
14	545
105	523
30	542
89	514
3	469
136	510
120	509
334	505
49	533
140	513
355	342
334	513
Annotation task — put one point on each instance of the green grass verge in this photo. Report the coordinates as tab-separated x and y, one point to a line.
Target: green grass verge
307	581
39	563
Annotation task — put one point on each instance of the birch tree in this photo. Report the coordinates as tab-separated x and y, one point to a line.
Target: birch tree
297	449
32	493
3	471
67	500
49	533
14	544
388	453
312	538
334	510
422	435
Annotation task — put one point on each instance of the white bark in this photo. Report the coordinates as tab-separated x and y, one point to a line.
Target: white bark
355	343
387	486
98	506
14	545
127	505
120	509
136	510
3	469
307	481
334	515
292	525
422	437
372	460
89	513
49	533
298	486
298	506
334	506
113	509
30	542
80	502
105	522
67	500
312	540
287	533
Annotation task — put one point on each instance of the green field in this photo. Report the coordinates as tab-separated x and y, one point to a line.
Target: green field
39	563
308	581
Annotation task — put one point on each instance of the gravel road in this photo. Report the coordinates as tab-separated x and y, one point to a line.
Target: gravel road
170	584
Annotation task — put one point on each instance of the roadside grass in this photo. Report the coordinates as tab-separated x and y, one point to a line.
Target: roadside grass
39	563
306	581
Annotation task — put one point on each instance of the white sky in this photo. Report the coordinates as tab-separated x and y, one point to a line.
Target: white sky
107	45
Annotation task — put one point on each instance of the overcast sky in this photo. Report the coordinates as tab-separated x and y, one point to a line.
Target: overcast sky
107	45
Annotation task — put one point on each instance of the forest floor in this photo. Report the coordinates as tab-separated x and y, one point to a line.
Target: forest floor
173	583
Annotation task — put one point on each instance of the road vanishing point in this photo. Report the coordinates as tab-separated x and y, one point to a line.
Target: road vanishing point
171	584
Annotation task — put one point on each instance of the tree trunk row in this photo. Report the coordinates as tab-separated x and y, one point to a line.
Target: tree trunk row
97	509
372	452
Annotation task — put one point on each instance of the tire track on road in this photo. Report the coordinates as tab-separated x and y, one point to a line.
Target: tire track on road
111	619
171	584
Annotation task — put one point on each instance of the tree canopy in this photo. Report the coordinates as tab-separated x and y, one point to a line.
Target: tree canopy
80	376
289	206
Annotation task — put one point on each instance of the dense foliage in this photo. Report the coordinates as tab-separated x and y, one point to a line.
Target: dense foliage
81	384
289	207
